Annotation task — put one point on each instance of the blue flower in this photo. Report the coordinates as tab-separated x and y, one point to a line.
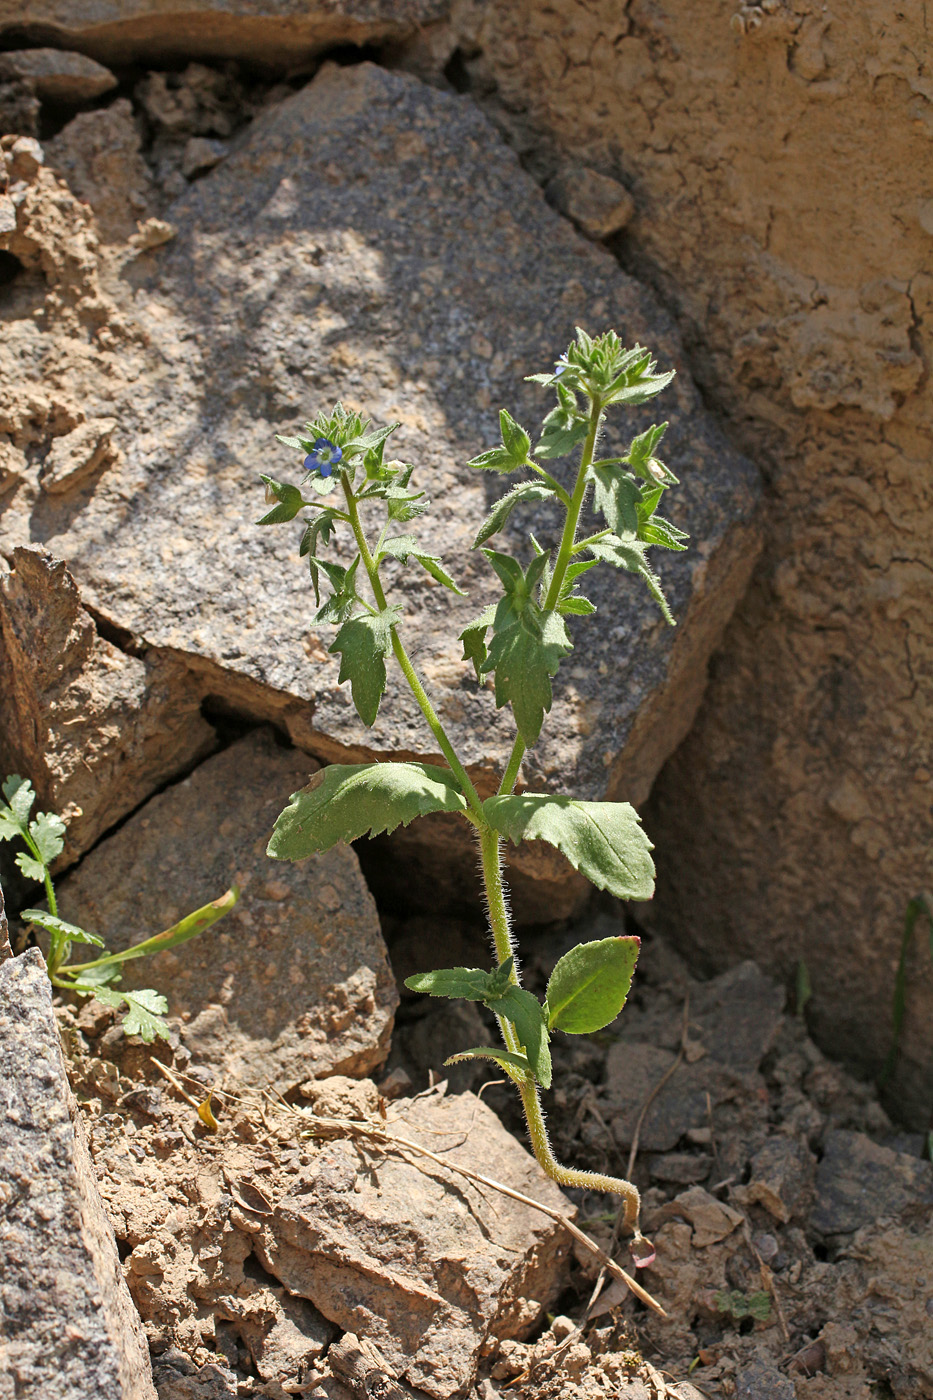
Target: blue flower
324	457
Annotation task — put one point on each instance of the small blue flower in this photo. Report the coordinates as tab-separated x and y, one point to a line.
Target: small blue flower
324	457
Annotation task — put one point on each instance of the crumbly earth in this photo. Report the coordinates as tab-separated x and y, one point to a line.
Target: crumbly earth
792	1223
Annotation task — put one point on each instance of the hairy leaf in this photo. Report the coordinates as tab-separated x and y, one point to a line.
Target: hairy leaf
524	656
460	983
561	431
473	638
33	869
616	497
497	517
363	644
343	600
527	1016
507	1059
368	442
48	832
289	498
589	985
603	840
346	801
52	924
405	547
20	795
630	555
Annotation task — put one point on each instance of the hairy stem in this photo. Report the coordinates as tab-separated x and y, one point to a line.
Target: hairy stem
408	670
564	555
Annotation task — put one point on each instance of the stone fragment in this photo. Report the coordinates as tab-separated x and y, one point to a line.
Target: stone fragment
19	107
76	457
69	1328
759	1381
93	728
417	1259
276	33
782	1178
5	950
57	75
12	459
177	1378
858	1183
25	158
597	204
712	1220
200	154
295	982
408	214
100	156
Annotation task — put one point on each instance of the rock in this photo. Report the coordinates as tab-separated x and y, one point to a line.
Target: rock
736	1016
100	156
712	1220
597	204
296	981
56	75
782	1178
19	107
858	1182
177	1379
201	154
5	950
25	158
416	1259
275	33
759	1381
75	458
70	1329
95	729
404	190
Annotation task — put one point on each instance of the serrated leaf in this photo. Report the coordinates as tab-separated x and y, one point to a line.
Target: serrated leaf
497	517
507	1059
10	828
576	606
52	924
603	840
589	985
630	555
342	602
561	431
20	795
362	645
497	459
48	832
473	638
460	983
346	801
33	869
289	441
644	445
290	501
658	531
324	485
405	547
527	1016
524	656
616	496
146	1008
317	531
369	442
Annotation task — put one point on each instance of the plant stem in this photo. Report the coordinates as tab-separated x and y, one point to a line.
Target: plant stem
564	554
408	670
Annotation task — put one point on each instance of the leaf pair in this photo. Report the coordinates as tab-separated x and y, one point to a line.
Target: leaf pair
603	840
512	455
44	834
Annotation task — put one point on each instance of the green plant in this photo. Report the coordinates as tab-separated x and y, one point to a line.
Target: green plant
519	643
43	835
739	1305
919	907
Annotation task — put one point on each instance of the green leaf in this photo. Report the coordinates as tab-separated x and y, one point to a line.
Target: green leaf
10	828
473	638
369	442
187	928
363	644
344	599
48	831
658	531
144	1017
616	497
317	531
20	794
346	801
630	555
495	520
561	431
603	840
505	1058
512	455
577	607
589	985
289	498
524	656
527	1016
52	924
405	547
31	868
462	983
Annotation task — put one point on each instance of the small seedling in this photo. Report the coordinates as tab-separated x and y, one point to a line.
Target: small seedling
517	643
44	837
739	1305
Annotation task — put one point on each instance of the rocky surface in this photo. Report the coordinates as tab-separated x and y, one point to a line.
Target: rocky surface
67	79
68	1326
277	33
308	926
99	154
794	251
407	219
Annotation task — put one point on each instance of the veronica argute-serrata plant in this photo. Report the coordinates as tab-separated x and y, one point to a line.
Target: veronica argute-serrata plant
519	641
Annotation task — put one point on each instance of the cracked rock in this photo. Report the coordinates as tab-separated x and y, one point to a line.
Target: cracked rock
68	1325
56	75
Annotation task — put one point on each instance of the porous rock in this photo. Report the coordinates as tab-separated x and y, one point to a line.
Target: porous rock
295	982
94	728
859	1182
272	32
69	1328
373	270
56	75
99	154
421	1261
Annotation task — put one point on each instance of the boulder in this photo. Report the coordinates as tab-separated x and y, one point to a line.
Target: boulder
374	270
277	33
67	1322
99	155
57	76
295	982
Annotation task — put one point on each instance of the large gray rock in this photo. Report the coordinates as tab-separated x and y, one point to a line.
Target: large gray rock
404	263
67	1323
279	32
295	982
56	76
